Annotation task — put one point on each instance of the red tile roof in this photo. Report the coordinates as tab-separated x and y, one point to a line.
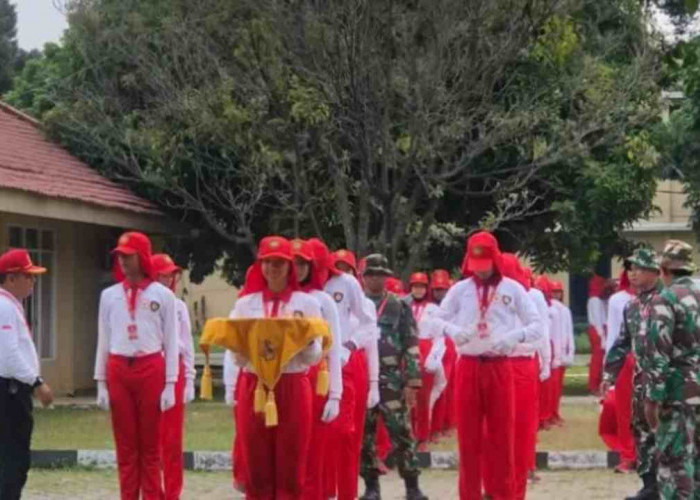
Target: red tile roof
31	162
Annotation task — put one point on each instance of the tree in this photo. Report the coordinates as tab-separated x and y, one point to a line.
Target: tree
8	44
390	126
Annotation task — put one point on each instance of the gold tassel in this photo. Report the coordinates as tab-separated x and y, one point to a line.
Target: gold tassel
259	397
271	419
206	386
322	382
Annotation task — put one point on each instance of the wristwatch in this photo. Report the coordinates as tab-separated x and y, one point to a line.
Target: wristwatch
38	382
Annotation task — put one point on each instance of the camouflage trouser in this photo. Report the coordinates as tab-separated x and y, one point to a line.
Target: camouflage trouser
678	442
644	438
395	414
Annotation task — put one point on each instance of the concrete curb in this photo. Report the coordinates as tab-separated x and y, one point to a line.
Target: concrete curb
211	461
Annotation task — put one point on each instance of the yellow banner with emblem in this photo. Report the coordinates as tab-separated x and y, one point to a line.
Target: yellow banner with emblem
268	344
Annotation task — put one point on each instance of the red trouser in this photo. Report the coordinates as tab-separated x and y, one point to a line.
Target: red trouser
607	422
239	467
546	399
485	396
315	465
623	410
595	368
135	386
525	382
420	414
172	423
275	457
345	440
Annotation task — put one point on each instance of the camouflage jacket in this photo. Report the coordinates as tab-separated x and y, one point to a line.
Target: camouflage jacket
628	340
398	343
671	358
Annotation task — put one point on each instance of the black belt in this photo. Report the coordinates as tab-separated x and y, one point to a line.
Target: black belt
14	386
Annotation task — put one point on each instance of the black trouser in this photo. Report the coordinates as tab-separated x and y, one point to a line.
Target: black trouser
16	424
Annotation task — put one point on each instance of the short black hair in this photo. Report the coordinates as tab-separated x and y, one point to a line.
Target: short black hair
3	278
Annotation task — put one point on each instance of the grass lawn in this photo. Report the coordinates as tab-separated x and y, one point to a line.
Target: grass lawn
576	381
209	426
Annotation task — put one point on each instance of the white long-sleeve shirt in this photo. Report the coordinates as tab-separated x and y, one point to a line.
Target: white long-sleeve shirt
252	306
597	315
543	346
511	313
186	343
616	308
329	311
349	298
568	344
371	343
154	321
529	349
556	332
18	357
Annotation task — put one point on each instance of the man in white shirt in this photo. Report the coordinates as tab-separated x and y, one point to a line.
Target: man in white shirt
494	314
136	365
19	372
174	419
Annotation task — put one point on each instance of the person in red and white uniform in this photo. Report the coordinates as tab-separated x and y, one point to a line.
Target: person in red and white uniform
549	357
597	319
312	265
276	457
443	417
567	346
136	366
359	358
431	345
173	421
623	389
526	381
494	314
20	376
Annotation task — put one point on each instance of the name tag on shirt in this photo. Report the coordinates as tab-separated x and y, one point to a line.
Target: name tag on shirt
132	331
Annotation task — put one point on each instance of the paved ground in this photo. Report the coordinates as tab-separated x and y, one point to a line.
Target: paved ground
438	485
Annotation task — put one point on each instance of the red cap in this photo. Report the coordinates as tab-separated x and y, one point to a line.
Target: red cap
418	279
275	247
482	254
323	258
556	286
163	264
18	260
302	249
133	243
395	285
344	255
440	280
596	286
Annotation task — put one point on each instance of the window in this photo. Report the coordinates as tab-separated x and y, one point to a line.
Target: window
40	305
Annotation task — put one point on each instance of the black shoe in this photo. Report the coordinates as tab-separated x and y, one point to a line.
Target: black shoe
650	491
413	492
371	489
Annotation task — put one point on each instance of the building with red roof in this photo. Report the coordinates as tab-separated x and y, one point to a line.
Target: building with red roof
68	216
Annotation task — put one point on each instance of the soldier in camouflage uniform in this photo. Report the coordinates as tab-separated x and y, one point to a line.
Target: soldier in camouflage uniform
671	359
399	378
647	286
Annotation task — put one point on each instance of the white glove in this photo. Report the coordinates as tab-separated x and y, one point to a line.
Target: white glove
465	335
230	400
102	395
330	411
189	390
505	345
433	362
311	353
167	398
345	354
545	373
373	398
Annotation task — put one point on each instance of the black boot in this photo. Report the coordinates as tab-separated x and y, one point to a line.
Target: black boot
650	490
371	489
413	492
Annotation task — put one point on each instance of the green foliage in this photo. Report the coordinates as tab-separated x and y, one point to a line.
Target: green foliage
8	44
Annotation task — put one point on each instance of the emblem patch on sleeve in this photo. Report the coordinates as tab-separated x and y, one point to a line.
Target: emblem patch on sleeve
338	297
155	306
298	314
507	299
